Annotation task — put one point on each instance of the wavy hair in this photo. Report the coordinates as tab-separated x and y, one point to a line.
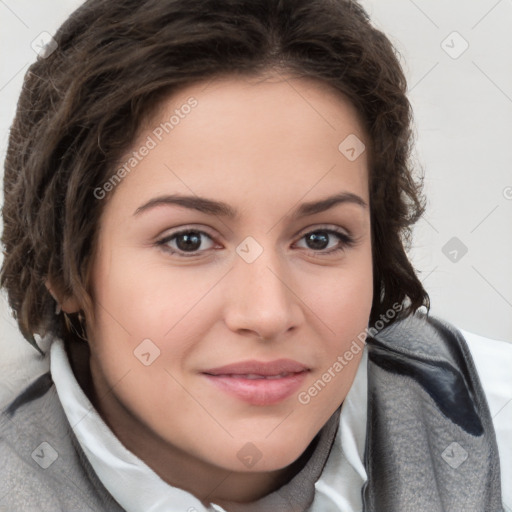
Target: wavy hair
82	105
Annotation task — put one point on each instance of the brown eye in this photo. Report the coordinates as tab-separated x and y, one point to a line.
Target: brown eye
317	240
326	241
189	241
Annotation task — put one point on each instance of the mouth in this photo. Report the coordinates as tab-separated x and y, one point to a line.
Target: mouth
253	376
259	383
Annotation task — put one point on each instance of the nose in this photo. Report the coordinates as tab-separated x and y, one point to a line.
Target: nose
260	299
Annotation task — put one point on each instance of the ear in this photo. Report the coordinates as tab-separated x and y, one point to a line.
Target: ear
68	304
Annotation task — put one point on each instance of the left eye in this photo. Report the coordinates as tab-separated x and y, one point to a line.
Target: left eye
187	241
323	239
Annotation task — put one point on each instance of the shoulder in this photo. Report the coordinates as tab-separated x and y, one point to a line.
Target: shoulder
436	356
31	441
436	342
424	363
41	467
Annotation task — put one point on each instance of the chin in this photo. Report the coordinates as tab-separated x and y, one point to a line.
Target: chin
266	455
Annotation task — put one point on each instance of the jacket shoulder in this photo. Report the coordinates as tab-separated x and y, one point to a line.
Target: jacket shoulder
43	467
435	355
430	441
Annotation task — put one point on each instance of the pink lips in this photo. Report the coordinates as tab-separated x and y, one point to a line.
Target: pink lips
259	383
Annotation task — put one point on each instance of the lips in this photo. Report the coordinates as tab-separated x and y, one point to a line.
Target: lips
259	383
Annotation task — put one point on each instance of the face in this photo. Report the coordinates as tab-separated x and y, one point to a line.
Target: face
233	269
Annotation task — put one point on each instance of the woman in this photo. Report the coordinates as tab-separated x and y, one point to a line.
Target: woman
206	206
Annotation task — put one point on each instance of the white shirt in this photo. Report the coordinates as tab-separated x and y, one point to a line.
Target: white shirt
137	488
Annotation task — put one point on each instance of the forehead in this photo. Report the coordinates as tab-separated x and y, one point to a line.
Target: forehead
277	138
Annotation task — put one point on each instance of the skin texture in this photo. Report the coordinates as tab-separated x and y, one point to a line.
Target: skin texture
264	147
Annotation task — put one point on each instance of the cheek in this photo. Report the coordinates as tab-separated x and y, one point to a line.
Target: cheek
343	313
136	300
342	306
343	298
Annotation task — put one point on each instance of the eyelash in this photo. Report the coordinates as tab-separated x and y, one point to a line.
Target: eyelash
346	241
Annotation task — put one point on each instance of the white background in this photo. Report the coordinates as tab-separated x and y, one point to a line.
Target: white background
463	118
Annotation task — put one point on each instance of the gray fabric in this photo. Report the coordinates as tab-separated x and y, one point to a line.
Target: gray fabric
430	443
69	483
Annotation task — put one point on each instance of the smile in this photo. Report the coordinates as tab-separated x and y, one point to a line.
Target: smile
259	383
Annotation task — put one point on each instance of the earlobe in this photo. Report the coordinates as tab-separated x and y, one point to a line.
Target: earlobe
70	305
67	304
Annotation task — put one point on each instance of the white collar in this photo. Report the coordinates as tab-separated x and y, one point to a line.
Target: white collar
137	488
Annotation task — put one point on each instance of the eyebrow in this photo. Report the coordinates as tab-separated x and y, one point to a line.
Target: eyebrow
221	209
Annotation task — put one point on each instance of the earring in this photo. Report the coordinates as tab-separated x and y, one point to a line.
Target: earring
72	329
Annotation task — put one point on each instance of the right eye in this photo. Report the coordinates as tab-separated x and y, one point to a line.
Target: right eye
188	242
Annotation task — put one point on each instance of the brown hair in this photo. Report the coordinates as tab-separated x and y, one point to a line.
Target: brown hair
81	107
